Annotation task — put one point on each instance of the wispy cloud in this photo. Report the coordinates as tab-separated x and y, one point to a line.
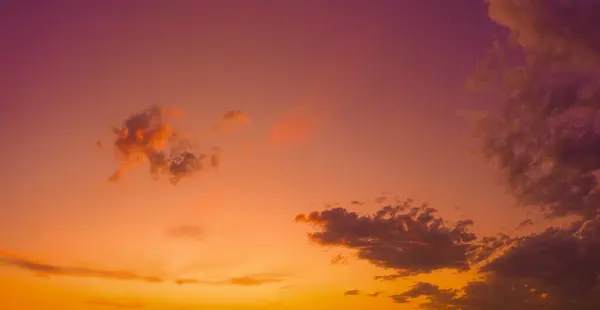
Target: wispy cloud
301	124
192	232
49	270
246	280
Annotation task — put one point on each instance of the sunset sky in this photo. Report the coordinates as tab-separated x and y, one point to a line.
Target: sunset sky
348	100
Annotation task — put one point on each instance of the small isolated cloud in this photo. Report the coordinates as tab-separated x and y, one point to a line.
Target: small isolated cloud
375	294
192	232
148	136
48	270
409	240
339	259
231	121
115	304
352	293
525	223
299	125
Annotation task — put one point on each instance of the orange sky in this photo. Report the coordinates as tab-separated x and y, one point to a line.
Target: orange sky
346	100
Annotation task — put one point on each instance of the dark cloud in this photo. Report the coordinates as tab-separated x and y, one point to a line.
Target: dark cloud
192	232
409	240
231	121
492	294
339	259
114	304
48	270
525	223
352	293
419	289
561	260
148	136
375	294
544	135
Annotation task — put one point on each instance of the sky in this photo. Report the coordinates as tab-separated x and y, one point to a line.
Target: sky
346	102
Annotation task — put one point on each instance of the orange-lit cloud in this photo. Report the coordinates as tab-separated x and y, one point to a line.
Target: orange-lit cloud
192	232
247	280
147	136
300	124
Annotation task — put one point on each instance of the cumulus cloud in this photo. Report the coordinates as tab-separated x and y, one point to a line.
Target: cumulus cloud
149	136
406	239
560	31
558	259
545	139
544	135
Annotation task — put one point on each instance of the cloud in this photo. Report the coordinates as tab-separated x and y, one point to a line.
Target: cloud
525	223
375	294
419	289
559	259
193	232
556	269
563	31
115	304
231	121
409	240
148	136
48	270
185	281
339	259
544	135
246	280
256	279
301	124
352	293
